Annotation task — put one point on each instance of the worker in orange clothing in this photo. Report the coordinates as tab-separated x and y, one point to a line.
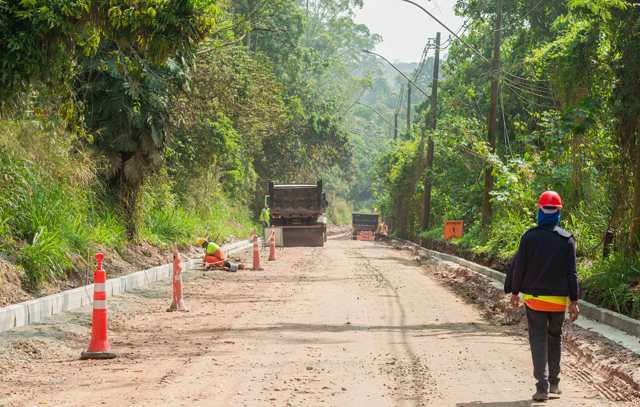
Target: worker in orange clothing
544	271
214	256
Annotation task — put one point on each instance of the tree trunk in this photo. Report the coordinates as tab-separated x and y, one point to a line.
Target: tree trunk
634	229
577	191
489	182
130	194
130	180
627	112
426	216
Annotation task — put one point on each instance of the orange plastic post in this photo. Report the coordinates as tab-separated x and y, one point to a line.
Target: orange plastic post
256	254
272	246
177	303
99	347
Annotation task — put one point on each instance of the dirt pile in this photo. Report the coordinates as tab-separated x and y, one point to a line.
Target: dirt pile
11	290
455	250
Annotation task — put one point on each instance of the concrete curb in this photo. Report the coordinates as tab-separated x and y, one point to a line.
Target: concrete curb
39	309
590	311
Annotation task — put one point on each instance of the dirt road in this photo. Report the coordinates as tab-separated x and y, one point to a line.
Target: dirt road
352	324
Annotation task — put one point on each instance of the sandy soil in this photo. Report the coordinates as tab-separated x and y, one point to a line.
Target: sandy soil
352	324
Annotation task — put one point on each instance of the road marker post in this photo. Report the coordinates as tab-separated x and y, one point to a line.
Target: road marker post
256	254
99	347
272	246
177	302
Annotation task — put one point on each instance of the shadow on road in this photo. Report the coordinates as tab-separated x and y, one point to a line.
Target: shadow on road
454	328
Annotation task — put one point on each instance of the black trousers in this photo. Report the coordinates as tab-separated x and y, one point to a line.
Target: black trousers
545	339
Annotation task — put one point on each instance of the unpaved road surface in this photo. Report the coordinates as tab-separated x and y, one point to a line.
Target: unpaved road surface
351	324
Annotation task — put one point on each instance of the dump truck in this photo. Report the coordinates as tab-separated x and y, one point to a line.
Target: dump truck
363	222
298	211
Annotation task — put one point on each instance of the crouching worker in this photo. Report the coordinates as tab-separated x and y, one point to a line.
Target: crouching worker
382	231
544	271
214	257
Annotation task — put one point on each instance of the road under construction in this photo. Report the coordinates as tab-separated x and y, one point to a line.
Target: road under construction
352	323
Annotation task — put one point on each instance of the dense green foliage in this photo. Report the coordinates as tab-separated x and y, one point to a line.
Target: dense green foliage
568	120
162	121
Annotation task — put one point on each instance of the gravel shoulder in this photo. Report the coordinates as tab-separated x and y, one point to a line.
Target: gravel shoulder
351	324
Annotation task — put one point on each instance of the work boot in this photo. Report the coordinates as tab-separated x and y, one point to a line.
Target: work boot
555	389
540	396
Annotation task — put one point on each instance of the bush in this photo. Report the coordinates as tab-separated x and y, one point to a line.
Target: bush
339	211
45	258
107	229
614	283
166	225
167	219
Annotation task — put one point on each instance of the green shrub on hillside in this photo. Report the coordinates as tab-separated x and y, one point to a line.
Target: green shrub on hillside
614	283
45	258
339	211
107	228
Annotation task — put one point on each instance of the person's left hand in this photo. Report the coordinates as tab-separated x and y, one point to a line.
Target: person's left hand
515	300
574	311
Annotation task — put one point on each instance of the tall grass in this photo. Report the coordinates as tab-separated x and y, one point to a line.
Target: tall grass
167	219
45	198
53	206
45	258
614	283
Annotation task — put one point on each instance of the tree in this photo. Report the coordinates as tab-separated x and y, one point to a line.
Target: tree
124	87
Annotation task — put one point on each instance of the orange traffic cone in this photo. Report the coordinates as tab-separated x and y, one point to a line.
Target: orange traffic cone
256	254
272	246
99	345
177	302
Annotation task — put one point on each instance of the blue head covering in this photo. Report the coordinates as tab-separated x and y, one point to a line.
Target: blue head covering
548	217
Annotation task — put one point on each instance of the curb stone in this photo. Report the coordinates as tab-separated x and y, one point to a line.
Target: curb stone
613	319
39	309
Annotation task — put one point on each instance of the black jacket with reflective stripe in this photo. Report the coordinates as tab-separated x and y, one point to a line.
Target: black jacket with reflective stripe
546	263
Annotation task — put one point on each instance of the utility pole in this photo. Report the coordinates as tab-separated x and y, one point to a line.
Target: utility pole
426	199
409	108
489	181
395	128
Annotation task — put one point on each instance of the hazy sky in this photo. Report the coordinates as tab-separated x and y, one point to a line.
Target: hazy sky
404	27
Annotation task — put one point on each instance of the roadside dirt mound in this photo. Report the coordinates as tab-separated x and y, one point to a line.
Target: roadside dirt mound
455	250
612	370
10	285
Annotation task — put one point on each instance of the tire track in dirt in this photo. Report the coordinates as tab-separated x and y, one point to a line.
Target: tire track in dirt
405	362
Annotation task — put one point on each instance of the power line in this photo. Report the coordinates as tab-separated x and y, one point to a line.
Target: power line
448	29
399	71
423	61
463	28
533	92
525	100
504	123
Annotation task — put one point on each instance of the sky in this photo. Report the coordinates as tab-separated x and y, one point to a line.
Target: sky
404	27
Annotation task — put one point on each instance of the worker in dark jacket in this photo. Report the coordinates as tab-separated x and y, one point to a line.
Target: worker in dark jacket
545	273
